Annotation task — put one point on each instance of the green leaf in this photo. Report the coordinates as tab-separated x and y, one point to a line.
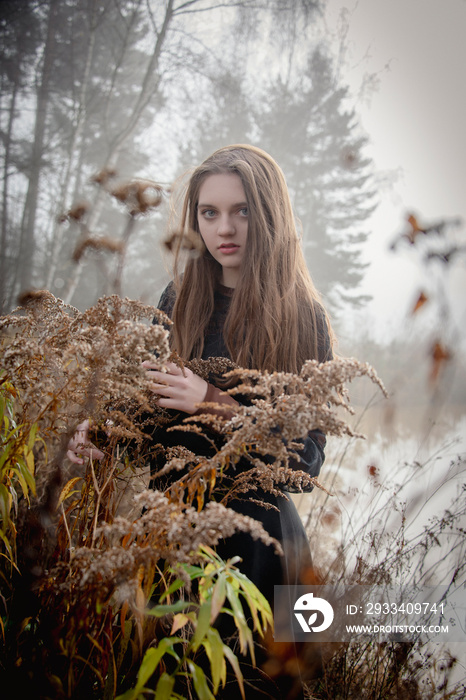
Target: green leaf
257	602
164	687
8	548
151	660
202	624
235	665
110	682
175	586
32	436
161	610
128	695
5	454
19	470
4	505
245	634
27	474
193	571
218	596
214	649
200	682
13	435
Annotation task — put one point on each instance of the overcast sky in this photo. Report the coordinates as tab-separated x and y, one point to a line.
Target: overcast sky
415	121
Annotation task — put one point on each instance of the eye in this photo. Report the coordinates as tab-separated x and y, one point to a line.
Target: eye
243	211
208	213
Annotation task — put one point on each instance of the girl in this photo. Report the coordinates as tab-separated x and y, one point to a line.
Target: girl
249	297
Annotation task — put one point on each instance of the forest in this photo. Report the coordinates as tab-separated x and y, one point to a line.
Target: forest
105	108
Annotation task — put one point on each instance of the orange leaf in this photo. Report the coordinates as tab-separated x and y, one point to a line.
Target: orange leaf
422	299
414	224
67	490
439	354
179	621
126	539
415	228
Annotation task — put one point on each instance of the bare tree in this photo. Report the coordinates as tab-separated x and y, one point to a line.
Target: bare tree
104	74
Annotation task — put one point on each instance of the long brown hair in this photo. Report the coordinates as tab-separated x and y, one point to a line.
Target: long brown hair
275	321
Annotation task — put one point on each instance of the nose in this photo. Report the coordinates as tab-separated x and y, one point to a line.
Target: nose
225	225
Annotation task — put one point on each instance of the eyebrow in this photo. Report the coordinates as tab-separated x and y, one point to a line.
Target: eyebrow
212	206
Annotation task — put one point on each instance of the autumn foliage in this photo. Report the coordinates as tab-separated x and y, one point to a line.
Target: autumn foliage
90	555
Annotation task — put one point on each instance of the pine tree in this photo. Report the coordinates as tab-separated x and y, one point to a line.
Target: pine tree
308	128
304	122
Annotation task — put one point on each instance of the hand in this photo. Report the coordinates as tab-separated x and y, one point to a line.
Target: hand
79	445
179	388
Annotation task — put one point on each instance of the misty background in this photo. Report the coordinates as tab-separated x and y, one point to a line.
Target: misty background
362	104
149	88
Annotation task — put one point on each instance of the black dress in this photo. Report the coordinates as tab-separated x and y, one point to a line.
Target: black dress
260	562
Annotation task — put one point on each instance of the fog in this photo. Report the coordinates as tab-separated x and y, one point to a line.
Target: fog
135	89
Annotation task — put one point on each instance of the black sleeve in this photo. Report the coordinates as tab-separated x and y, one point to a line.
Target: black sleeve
167	300
311	457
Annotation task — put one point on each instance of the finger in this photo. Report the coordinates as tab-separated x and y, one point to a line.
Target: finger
164	378
93	452
162	389
147	364
168	402
156	385
154	366
174	369
90	451
74	457
157	374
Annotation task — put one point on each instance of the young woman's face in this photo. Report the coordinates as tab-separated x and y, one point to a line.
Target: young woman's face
222	215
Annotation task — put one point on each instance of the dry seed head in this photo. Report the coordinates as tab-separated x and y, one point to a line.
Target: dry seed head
102	177
178	240
34	296
101	243
139	196
163	531
78	211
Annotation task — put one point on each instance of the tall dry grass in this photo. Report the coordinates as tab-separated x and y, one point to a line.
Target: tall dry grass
397	514
87	552
111	589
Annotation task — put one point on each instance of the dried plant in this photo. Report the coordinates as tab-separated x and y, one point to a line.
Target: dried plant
398	525
93	548
264	431
190	242
110	589
139	198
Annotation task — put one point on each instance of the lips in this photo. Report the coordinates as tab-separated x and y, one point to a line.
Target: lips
228	248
